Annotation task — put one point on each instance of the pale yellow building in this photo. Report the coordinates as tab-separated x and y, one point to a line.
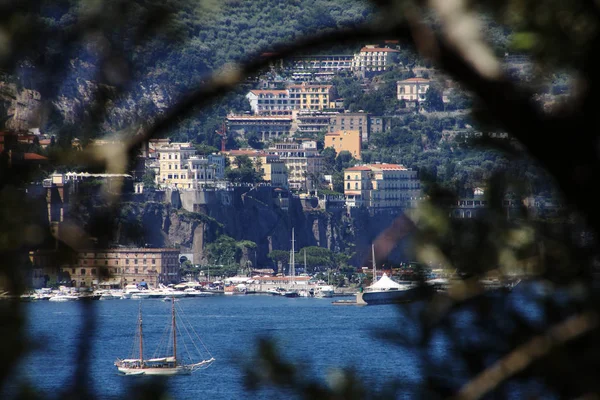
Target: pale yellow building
311	97
172	160
181	168
345	141
413	90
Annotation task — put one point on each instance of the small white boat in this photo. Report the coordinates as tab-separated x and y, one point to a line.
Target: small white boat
63	297
324	291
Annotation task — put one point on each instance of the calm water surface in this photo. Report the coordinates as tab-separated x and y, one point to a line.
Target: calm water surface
313	332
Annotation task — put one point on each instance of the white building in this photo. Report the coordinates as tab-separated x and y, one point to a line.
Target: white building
413	90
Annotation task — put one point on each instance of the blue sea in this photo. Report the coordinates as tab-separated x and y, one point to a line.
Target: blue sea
319	336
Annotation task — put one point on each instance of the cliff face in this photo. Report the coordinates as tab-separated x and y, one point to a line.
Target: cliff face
254	218
25	108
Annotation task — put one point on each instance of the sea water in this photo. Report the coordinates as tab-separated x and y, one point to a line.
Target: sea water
317	335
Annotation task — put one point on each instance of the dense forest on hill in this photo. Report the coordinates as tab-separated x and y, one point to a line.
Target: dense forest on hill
190	41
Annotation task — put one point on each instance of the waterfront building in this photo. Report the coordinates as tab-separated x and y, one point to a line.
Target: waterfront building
267	127
345	140
119	267
381	186
413	90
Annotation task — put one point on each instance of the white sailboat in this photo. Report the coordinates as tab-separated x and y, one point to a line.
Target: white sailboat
170	364
384	290
292	292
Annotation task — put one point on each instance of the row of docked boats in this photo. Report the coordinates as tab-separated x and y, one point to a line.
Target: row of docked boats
64	294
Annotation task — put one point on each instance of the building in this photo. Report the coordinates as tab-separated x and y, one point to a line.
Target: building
303	162
304	96
413	90
180	167
311	97
351	121
373	59
381	186
312	122
273	169
267	127
345	140
119	267
271	102
321	63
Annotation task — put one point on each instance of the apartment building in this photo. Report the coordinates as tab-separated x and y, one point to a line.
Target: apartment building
413	90
351	121
381	186
322	63
267	127
119	267
180	167
345	140
311	97
273	169
271	102
312	122
304	96
373	58
303	163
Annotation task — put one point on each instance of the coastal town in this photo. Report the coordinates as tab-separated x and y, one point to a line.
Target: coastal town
289	158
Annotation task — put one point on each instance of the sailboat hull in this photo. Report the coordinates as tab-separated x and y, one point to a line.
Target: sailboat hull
155	371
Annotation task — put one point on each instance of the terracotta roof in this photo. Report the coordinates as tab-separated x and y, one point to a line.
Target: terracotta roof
265	117
378	49
359	168
268	91
390	166
415	80
33	156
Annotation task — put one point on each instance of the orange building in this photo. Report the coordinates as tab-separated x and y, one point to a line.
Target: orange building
345	141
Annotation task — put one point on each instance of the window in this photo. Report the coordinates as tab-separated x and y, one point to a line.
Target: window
135	261
127	262
153	261
93	271
82	271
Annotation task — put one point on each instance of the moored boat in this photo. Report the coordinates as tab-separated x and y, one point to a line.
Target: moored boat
170	364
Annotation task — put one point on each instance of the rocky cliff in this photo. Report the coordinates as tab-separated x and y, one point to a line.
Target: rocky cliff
249	217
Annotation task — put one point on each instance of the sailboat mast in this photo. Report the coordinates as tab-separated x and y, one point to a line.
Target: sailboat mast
374	264
141	336
174	330
293	263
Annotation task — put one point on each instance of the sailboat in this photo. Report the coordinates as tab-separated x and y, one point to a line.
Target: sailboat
170	364
292	292
385	290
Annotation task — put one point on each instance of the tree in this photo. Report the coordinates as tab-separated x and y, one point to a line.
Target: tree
521	353
433	99
279	257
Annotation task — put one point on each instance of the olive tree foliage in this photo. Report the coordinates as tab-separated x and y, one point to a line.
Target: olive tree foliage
554	355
